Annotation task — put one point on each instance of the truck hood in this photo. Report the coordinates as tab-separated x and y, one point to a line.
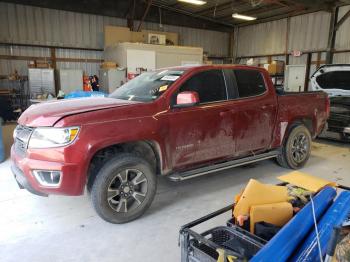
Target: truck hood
48	113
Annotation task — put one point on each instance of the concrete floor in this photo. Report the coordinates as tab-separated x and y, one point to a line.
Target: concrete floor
60	228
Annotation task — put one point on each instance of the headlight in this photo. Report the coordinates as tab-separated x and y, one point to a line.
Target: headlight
46	137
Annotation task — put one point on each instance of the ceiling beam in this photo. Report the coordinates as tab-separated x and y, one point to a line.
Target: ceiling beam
342	20
182	11
255	11
219	7
149	3
279	16
277	2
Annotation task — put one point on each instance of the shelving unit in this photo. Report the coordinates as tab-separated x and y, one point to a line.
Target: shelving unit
16	91
278	80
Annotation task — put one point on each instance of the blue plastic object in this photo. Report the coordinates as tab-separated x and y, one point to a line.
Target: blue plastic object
284	243
81	94
334	216
2	149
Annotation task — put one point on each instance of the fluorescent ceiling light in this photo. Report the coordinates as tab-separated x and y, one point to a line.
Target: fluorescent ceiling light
194	2
243	17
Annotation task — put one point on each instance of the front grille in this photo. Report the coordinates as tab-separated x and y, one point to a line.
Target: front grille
337	122
20	147
23	134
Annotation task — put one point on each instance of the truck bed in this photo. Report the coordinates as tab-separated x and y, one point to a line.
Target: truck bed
302	106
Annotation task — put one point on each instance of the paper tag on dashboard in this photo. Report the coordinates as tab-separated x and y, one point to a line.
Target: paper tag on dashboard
169	78
162	88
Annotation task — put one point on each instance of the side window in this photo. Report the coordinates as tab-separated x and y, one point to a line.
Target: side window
249	83
209	85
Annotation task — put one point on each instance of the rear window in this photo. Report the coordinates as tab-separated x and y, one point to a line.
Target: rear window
249	83
334	80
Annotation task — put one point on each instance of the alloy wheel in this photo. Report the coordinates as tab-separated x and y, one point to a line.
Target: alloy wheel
127	190
300	148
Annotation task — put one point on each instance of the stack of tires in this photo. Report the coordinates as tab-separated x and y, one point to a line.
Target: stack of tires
2	150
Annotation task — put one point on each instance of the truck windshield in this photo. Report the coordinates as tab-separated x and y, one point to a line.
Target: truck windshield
147	86
334	80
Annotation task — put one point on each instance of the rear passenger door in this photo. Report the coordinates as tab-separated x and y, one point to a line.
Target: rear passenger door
255	113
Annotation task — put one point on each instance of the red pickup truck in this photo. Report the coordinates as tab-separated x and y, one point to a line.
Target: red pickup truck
181	122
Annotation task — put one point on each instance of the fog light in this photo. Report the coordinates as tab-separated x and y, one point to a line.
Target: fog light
47	177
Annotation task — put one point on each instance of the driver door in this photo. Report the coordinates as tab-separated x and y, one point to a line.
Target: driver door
201	133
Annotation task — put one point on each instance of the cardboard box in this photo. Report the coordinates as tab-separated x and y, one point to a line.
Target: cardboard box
108	65
42	64
7	136
156	39
117	34
276	67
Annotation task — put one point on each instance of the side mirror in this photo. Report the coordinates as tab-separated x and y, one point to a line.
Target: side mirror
186	99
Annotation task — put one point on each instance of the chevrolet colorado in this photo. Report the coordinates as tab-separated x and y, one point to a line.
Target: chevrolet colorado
181	122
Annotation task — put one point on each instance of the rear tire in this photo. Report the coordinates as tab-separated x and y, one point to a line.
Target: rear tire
124	189
296	149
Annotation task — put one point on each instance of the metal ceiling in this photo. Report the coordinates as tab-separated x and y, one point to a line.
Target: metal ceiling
221	11
214	15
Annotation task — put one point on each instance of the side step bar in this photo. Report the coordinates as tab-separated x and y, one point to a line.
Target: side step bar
222	166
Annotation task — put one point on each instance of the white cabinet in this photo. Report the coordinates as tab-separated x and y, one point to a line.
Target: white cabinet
70	80
41	81
111	79
137	55
295	78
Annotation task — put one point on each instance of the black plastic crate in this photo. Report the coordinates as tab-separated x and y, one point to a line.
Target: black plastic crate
231	223
202	253
242	245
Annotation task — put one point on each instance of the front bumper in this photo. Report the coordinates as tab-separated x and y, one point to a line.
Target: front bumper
341	135
73	173
23	182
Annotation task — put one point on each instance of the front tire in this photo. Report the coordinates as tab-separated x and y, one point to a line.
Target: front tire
124	189
296	149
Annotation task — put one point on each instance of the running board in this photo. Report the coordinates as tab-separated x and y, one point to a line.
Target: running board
222	166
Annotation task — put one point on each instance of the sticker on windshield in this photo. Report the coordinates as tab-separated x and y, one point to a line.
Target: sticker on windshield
162	88
169	78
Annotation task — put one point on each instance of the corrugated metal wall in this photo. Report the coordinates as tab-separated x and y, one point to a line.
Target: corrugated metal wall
309	32
215	43
34	25
41	26
343	34
262	39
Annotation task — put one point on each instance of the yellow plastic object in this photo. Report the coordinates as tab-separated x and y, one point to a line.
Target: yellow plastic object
222	256
308	182
231	258
257	193
278	214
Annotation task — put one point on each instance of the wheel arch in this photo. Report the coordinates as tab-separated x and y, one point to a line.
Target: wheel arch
147	149
307	122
